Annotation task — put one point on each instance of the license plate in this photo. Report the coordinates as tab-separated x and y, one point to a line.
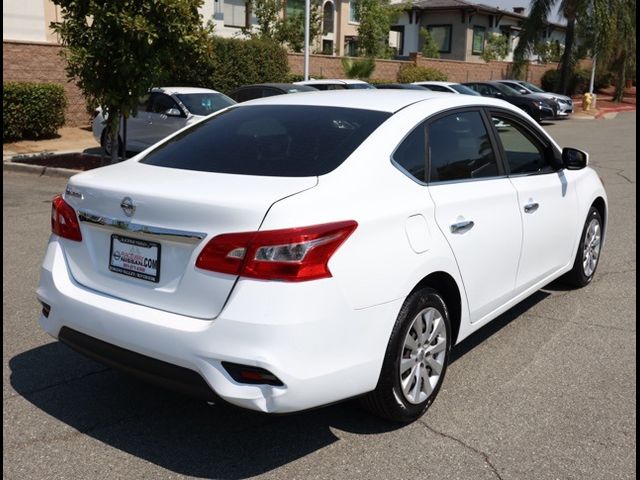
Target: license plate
135	258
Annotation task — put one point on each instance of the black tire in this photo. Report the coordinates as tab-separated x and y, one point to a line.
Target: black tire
388	400
577	277
106	145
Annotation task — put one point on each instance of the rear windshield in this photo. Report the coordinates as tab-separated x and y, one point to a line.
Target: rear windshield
204	103
270	140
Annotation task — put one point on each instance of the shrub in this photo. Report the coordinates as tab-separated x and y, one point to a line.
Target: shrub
361	69
550	80
578	82
243	62
31	110
414	73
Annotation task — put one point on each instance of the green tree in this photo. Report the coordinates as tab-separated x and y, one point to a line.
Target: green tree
496	48
430	49
612	34
117	50
267	13
537	21
548	52
290	29
375	19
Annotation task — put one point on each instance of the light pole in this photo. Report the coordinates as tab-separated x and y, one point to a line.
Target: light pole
307	14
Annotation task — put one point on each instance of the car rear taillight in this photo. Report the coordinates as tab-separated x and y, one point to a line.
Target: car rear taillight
292	254
64	221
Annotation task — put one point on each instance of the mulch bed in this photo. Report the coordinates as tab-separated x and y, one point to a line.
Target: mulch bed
74	161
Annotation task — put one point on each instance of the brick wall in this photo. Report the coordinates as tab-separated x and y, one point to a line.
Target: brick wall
457	71
41	62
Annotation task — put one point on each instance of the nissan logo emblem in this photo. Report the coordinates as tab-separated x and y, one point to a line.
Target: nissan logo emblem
128	207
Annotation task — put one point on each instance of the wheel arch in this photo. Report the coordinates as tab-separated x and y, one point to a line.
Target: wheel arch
600	205
446	286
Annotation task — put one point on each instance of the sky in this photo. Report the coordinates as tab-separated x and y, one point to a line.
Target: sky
509	4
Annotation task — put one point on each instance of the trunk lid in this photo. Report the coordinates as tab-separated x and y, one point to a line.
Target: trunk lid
149	257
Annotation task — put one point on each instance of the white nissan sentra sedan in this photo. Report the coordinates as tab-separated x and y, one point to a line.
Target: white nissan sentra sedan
298	250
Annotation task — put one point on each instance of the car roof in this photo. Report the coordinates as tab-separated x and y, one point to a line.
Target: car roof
281	86
182	90
331	81
434	82
401	86
387	100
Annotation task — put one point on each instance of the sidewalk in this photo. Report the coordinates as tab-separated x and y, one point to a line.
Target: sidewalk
69	139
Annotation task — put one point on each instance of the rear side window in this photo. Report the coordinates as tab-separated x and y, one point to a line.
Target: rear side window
410	155
460	148
270	140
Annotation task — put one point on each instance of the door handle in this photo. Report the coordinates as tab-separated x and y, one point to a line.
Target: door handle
462	227
531	207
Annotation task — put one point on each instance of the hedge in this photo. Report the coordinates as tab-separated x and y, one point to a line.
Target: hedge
243	62
31	110
229	63
414	73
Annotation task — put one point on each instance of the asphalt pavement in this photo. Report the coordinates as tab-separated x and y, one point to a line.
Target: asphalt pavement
546	391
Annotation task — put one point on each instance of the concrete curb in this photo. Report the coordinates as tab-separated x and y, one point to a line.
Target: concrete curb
613	111
39	170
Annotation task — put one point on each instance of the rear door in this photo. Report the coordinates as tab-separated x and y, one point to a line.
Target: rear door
476	207
547	200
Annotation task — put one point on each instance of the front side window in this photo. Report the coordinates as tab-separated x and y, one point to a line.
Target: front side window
524	154
441	35
478	40
410	154
161	103
269	140
460	148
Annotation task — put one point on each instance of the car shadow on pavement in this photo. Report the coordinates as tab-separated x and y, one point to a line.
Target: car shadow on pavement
184	435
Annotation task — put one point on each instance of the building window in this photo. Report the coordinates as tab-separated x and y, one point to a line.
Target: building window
441	35
294	7
351	47
477	46
327	18
327	47
354	11
235	13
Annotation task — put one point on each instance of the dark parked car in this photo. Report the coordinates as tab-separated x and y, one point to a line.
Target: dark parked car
565	104
538	107
260	90
402	86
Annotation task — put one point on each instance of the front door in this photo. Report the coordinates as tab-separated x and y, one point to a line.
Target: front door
161	123
548	203
476	207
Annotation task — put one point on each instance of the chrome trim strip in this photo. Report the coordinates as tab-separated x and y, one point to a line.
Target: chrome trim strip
169	233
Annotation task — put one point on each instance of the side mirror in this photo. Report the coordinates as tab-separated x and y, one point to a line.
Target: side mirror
497	94
523	91
173	112
574	159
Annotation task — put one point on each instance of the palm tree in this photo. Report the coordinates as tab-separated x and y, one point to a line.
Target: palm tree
537	21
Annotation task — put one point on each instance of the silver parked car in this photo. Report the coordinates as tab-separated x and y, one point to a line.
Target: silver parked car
162	112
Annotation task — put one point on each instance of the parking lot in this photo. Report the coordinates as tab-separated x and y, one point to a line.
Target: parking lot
546	391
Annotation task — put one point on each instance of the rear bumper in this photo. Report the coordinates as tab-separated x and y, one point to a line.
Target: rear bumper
306	334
